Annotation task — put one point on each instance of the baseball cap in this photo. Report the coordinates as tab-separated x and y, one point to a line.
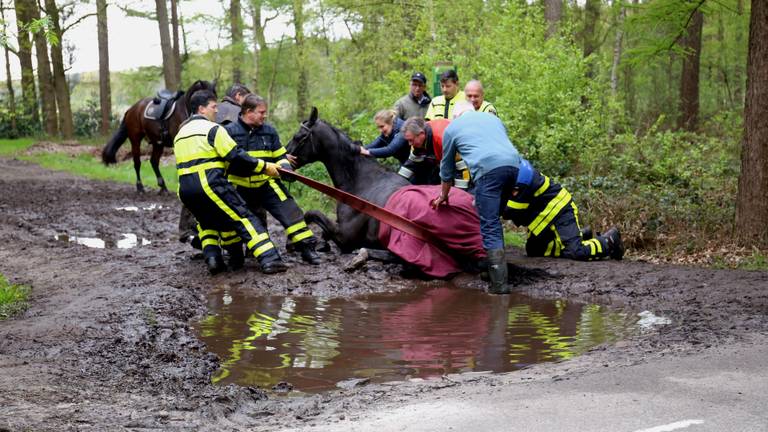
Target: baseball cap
418	76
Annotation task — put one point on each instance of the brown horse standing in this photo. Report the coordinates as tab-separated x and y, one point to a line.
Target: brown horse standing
136	127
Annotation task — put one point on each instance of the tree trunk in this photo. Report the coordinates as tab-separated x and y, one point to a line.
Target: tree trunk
273	80
591	17
169	65
689	80
236	30
259	44
105	92
553	12
751	202
738	71
8	79
302	88
44	77
28	91
175	34
617	46
59	77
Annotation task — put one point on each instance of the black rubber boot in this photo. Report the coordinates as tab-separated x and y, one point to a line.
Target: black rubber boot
615	245
497	272
308	253
236	256
272	263
215	264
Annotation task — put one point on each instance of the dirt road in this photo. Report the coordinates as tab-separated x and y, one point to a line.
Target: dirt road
107	345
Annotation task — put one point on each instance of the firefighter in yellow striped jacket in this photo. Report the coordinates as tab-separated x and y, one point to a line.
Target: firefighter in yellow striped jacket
204	152
552	218
260	140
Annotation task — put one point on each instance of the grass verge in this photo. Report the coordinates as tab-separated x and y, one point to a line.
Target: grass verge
13	298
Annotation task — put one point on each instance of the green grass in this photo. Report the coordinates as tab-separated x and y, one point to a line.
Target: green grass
86	165
758	261
514	238
13	298
10	147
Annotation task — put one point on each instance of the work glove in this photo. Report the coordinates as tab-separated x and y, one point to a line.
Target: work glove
270	169
288	167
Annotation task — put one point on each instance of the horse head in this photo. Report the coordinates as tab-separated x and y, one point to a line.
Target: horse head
316	140
198	85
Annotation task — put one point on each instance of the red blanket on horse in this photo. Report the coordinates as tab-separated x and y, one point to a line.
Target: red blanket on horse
457	224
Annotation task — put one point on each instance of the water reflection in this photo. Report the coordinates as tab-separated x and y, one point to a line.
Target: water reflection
313	343
126	241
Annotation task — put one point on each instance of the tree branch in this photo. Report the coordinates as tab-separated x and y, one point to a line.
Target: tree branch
76	22
685	26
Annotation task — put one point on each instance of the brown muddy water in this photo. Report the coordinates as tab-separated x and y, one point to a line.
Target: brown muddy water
312	344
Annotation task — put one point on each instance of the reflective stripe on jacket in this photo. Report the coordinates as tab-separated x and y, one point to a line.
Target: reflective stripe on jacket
439	109
203	145
260	142
537	206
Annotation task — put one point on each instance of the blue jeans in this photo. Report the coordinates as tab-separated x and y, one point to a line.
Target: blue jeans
492	191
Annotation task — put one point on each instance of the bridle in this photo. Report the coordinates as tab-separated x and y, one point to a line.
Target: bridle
305	138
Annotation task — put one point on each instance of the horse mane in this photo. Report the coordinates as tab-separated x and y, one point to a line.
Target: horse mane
197	85
351	152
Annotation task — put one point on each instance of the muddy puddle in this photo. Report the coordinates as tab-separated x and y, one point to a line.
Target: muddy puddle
121	241
313	344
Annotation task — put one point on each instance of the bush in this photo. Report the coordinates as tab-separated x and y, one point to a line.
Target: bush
665	189
87	120
24	124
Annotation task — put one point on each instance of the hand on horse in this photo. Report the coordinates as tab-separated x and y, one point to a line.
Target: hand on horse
292	159
270	169
440	200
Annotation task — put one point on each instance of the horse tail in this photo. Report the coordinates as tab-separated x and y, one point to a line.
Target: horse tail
108	155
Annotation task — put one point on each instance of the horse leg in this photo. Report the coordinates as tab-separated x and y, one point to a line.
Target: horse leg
136	153
154	160
330	229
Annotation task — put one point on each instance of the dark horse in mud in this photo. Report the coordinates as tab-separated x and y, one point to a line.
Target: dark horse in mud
135	127
316	140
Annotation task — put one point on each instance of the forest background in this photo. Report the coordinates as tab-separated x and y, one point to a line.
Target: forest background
637	107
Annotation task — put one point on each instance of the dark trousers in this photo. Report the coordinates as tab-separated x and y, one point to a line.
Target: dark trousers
217	207
274	197
489	192
562	238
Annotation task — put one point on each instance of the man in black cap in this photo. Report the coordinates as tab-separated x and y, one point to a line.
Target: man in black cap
417	101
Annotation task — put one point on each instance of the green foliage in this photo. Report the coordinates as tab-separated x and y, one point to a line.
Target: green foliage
87	119
131	86
13	298
663	188
308	198
24	124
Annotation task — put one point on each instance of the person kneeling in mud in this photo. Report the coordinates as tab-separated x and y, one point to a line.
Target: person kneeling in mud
507	185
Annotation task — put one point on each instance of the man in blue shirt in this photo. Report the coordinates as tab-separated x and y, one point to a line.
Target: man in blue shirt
504	180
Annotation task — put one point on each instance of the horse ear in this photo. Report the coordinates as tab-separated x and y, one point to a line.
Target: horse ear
313	116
